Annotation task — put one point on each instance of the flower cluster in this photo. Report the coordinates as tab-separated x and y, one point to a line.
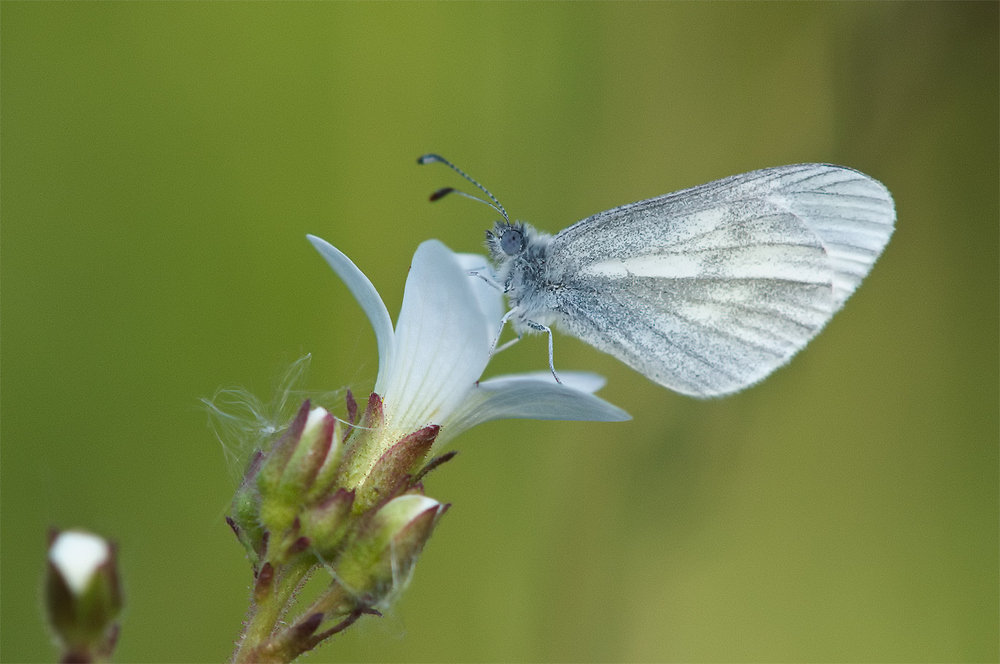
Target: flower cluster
348	495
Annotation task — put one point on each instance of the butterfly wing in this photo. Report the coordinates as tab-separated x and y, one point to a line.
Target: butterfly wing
710	289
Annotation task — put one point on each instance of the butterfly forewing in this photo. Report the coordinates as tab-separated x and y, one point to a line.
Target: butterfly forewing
710	289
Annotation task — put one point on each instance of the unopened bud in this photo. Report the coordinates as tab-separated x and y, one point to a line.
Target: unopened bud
83	595
316	448
278	504
380	559
326	522
244	512
300	468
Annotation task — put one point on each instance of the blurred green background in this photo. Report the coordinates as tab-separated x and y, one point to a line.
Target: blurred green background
161	164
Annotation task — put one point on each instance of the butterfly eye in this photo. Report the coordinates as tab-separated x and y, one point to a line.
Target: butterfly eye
512	241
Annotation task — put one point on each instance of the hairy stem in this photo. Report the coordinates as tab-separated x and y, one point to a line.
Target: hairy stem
266	609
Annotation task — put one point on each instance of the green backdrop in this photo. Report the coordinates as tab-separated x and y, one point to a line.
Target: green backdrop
161	163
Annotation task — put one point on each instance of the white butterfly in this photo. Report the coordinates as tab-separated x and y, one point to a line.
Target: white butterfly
706	290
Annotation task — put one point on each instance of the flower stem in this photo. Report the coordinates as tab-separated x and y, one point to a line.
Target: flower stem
271	600
301	636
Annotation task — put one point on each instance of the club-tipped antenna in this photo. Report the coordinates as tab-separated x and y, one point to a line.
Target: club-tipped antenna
441	193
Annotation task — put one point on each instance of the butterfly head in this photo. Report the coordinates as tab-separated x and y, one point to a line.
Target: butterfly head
506	240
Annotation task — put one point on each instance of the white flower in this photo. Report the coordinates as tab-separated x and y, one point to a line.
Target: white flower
430	365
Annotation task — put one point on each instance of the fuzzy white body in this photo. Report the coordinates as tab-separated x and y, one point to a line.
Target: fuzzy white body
706	290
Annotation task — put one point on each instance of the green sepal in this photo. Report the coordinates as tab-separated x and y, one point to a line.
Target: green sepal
361	445
393	470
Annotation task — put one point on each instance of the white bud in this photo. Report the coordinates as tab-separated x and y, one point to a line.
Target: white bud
398	513
315	420
77	556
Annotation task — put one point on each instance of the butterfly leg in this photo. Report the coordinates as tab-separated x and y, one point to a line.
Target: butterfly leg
503	321
492	282
538	327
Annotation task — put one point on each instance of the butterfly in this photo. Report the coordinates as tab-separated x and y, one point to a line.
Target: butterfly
707	290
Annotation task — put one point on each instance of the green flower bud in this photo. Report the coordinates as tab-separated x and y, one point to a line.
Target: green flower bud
379	560
83	594
279	502
244	513
318	448
326	522
300	468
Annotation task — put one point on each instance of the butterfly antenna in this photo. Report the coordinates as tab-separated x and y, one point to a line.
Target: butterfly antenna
441	193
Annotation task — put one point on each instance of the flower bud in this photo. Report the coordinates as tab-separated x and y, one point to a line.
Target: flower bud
244	513
317	449
83	595
278	502
326	522
301	467
379	560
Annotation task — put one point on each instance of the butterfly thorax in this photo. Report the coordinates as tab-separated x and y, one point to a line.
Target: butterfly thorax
519	253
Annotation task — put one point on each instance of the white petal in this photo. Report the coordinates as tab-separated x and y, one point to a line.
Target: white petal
489	295
366	295
441	345
528	397
77	555
583	381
